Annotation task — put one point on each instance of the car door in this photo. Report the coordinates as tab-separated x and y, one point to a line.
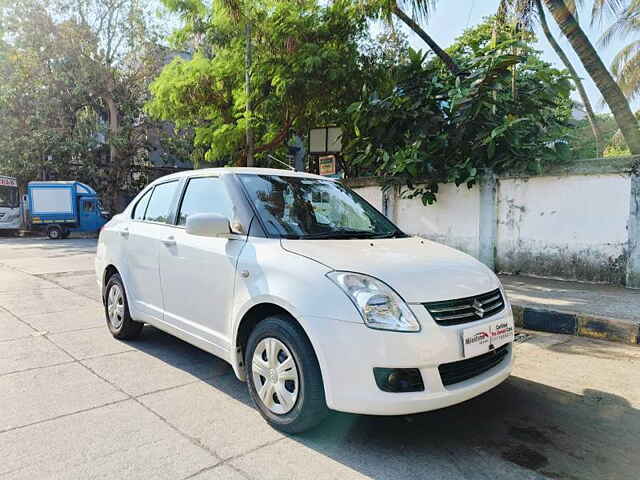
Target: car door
88	214
198	273
152	221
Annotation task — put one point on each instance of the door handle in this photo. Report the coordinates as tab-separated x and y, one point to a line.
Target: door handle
169	241
125	232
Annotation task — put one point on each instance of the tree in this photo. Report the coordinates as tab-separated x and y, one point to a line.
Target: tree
626	64
577	81
306	68
596	69
524	13
434	128
84	67
420	9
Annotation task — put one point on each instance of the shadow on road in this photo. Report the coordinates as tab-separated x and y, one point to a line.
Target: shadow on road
549	432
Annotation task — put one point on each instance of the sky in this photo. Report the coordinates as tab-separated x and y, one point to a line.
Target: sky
451	17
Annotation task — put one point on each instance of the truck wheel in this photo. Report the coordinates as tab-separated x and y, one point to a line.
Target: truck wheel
54	232
116	309
284	377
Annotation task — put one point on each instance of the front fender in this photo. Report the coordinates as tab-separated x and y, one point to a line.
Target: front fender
271	275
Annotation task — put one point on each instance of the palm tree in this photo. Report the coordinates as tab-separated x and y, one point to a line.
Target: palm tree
524	12
596	69
420	11
626	64
597	135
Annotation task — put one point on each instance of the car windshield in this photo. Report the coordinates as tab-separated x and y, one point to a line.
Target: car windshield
300	207
8	196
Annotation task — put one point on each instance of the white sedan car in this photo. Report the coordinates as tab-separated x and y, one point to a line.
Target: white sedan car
315	298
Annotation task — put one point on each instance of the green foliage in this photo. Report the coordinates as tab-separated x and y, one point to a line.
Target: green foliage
581	138
435	128
307	67
72	86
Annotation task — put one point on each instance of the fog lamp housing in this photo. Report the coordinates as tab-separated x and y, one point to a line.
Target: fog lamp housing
398	379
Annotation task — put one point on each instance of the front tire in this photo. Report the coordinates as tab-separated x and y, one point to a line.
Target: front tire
54	232
284	377
116	310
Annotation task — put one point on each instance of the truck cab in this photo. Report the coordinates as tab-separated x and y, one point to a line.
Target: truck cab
60	208
10	213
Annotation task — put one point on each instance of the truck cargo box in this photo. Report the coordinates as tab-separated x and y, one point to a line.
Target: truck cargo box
55	202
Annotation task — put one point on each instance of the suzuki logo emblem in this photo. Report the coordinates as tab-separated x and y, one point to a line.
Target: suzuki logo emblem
477	306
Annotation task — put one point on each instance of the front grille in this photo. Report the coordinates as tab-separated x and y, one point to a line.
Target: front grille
463	310
462	370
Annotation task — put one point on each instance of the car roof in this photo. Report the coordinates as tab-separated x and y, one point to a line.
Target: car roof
241	170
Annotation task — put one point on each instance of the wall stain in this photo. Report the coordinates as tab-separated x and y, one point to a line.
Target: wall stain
588	264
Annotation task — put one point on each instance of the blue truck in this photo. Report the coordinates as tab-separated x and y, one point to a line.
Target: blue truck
60	208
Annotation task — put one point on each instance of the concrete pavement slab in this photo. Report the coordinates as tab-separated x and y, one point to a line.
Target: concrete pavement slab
137	373
93	342
80	282
29	352
219	414
12	280
288	459
12	328
223	472
569	364
120	441
359	447
14	248
42	301
52	264
598	311
90	315
173	350
570	297
45	393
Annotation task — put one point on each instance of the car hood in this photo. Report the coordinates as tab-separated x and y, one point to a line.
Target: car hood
419	270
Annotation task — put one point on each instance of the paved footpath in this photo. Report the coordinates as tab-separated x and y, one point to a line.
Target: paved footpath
77	404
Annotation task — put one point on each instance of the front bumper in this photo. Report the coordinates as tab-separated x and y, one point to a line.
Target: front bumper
349	351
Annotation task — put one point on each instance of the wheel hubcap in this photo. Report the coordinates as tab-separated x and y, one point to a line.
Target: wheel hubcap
275	375
115	306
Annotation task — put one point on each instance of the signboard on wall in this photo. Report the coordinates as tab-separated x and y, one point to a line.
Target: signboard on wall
8	182
325	140
327	165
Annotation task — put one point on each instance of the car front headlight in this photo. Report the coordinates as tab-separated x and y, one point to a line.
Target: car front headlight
380	306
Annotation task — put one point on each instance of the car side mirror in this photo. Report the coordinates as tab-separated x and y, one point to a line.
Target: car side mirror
208	225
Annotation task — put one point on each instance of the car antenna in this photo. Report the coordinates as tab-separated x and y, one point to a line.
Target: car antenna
280	161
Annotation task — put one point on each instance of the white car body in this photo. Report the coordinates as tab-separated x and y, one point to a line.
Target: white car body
204	289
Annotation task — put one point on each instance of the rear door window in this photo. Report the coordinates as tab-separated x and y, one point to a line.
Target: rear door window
159	208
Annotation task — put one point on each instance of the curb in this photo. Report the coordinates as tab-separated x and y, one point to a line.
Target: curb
579	324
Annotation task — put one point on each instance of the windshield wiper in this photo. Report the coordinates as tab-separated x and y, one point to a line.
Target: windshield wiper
394	234
340	234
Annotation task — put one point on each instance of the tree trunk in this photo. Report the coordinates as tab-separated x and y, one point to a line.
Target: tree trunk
598	72
576	79
111	196
247	90
444	56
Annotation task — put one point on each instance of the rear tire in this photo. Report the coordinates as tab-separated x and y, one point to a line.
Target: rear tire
116	310
286	384
54	232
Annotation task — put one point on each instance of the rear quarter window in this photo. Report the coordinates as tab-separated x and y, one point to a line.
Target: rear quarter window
141	206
